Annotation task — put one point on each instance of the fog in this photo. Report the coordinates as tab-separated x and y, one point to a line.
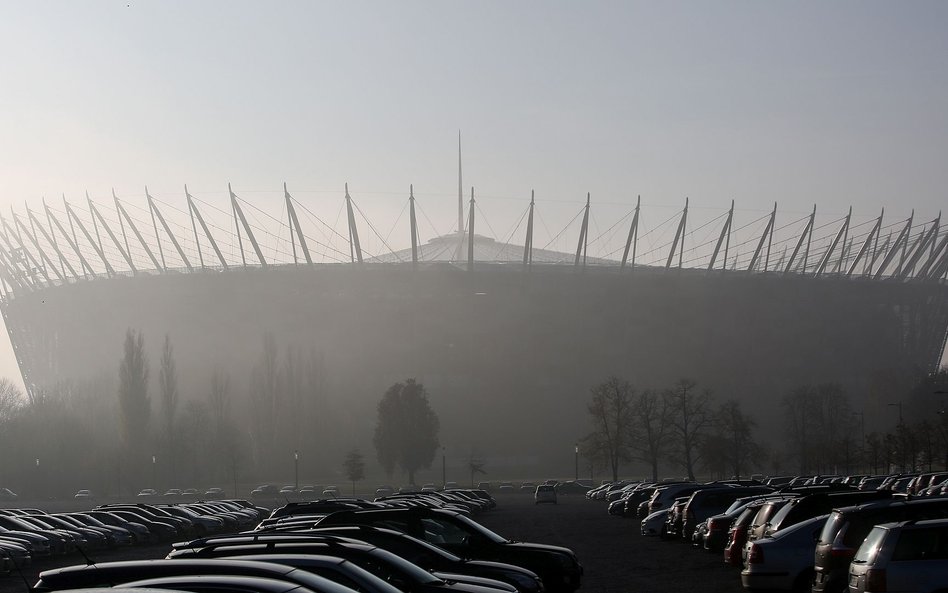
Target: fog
508	358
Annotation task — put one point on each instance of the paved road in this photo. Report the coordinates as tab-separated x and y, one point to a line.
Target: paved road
616	558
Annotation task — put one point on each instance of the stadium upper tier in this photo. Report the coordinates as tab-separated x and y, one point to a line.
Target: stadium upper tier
53	245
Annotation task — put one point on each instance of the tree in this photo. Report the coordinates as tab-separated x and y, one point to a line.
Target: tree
818	421
355	468
736	430
690	416
265	399
168	386
649	429
475	465
134	403
406	433
11	399
611	410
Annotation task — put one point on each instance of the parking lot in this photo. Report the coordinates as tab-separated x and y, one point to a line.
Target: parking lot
615	557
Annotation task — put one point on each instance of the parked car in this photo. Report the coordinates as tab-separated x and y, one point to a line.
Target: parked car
903	556
654	524
711	501
433	558
784	560
558	567
381	563
105	574
264	491
544	493
848	527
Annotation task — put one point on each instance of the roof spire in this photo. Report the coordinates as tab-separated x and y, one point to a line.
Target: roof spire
460	191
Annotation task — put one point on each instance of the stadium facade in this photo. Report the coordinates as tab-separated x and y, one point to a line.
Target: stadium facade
507	338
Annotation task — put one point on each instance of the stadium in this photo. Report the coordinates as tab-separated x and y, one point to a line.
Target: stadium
507	338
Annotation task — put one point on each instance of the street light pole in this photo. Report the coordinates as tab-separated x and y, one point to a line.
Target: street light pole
38	478
444	474
296	469
576	459
154	480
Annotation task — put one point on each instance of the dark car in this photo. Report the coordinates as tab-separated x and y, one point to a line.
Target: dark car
558	567
847	527
112	573
812	505
383	564
218	583
711	501
433	558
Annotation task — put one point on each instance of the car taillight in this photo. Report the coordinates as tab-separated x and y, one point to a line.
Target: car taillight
756	555
875	580
716	524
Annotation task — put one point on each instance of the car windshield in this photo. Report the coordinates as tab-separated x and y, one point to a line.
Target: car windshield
474	526
870	546
385	561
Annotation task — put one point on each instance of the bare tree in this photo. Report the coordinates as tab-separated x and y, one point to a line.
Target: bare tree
690	415
11	399
649	431
355	468
610	408
737	433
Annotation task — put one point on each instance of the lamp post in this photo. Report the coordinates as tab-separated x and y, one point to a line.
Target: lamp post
296	469
444	473
38	478
154	479
576	459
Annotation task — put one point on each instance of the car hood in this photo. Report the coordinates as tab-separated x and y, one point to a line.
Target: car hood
466	580
531	547
490	565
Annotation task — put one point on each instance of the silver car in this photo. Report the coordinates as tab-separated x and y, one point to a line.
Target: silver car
904	556
783	561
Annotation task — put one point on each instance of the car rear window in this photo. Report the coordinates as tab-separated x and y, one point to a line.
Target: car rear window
870	546
832	527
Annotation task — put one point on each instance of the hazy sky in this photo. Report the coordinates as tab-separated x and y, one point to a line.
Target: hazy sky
838	103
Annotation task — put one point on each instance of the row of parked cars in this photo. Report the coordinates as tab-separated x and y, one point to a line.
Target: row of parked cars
413	542
29	533
825	534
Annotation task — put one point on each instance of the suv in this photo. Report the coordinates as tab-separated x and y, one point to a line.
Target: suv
557	567
847	527
711	501
819	504
905	556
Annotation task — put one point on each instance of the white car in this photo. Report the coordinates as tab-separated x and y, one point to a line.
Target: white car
654	524
783	561
544	493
